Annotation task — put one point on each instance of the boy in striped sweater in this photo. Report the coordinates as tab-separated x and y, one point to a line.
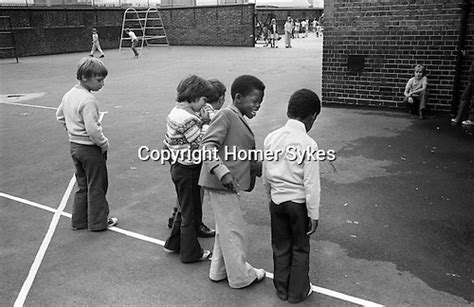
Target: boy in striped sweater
183	138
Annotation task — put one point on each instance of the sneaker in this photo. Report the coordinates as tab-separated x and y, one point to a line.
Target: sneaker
112	221
468	123
454	121
91	55
206	255
169	251
102	56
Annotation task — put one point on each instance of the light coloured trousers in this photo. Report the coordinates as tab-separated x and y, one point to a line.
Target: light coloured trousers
230	245
96	46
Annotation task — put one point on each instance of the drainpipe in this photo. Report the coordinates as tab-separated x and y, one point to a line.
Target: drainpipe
465	11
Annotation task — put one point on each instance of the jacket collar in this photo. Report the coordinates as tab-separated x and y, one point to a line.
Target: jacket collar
241	116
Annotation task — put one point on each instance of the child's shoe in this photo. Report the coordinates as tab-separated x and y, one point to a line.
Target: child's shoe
112	221
102	56
454	121
468	123
206	255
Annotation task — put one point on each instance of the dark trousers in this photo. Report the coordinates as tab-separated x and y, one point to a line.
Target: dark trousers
466	104
183	238
419	102
90	208
134	47
290	244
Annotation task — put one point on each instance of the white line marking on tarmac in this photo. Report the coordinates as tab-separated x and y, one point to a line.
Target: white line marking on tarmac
20	300
28	105
44	107
138	236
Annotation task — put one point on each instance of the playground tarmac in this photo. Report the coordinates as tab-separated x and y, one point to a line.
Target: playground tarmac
396	212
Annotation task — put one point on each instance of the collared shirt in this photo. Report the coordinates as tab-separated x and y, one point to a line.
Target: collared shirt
291	173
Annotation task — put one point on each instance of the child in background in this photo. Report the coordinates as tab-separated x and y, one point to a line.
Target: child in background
273	34
79	114
96	44
297	29
183	137
215	103
134	39
289	26
223	177
293	188
416	92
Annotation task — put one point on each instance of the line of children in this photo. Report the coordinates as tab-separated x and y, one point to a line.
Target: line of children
79	114
194	124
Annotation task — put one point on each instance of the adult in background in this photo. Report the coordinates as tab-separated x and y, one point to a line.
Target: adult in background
288	29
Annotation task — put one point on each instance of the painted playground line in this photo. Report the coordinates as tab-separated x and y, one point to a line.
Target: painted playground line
60	212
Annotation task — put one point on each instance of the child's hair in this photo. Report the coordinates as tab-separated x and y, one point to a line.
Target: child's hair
127	30
90	67
94	30
245	84
419	66
193	87
219	90
303	103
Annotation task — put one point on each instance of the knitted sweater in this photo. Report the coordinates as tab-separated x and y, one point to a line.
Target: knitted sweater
79	114
183	133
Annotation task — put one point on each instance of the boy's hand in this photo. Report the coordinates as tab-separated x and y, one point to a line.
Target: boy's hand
204	116
312	225
230	183
256	168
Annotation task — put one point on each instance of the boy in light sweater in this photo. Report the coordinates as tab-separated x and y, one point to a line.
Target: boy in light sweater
79	114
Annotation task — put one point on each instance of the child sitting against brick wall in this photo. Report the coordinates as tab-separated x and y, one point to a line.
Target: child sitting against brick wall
416	92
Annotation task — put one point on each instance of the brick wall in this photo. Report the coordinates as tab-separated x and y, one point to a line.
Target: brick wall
41	31
389	38
227	25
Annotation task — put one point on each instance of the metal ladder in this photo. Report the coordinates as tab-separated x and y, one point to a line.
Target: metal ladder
147	25
7	30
